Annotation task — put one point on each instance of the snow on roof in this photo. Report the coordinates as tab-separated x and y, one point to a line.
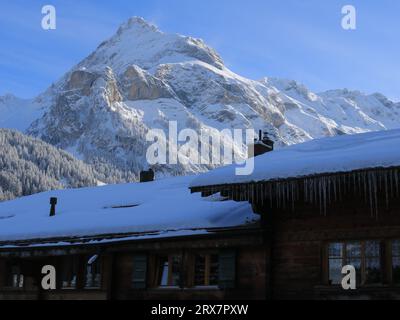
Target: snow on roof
328	155
156	209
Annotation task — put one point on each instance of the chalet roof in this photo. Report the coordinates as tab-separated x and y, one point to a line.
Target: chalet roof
159	209
339	154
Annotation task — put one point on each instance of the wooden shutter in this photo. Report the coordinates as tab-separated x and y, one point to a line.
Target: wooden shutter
139	274
227	269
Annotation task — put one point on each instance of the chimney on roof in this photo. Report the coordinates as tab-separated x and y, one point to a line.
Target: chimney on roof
53	202
267	141
263	145
147	176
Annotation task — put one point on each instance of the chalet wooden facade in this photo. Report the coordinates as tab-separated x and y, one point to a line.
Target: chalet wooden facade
229	264
316	225
178	258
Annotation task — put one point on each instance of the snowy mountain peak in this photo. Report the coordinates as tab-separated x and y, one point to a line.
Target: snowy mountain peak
138	42
137	24
291	87
142	78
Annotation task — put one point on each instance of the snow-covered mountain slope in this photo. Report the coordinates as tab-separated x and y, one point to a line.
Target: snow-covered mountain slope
141	78
336	111
16	113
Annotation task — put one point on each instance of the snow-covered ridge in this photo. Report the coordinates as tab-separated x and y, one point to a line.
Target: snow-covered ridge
320	156
16	113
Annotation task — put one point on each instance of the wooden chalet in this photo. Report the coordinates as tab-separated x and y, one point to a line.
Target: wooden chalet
283	232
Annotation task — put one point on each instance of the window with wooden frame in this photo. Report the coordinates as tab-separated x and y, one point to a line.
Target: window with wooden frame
215	269
365	256
169	271
69	272
206	269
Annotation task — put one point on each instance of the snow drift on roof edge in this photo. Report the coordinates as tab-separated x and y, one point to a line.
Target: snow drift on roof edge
328	155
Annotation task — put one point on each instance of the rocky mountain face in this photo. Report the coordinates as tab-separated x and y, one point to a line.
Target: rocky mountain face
142	78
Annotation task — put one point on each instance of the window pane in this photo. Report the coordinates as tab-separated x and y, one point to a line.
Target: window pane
18	281
170	271
69	272
353	258
372	270
15	277
176	271
336	250
335	263
199	273
89	276
396	248
335	271
372	249
164	265
93	274
396	269
353	250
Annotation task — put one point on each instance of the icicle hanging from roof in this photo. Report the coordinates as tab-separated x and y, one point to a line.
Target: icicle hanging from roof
321	191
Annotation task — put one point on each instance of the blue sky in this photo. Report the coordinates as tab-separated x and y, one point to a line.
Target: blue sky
301	40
